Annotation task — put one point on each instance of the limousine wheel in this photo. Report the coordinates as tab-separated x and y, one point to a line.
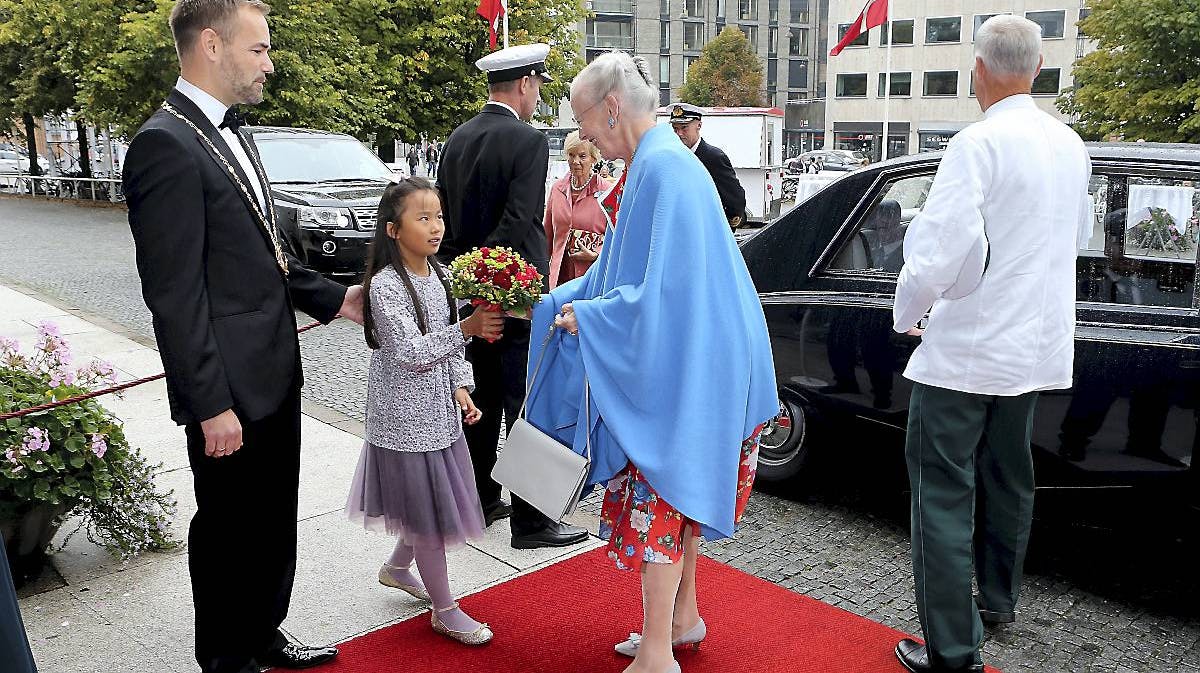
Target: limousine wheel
781	447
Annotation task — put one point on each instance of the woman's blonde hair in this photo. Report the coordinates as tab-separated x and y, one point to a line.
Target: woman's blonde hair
573	140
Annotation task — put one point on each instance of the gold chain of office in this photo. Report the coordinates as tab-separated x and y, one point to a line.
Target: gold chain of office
268	225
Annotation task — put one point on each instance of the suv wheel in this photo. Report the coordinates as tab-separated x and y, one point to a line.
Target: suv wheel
782	450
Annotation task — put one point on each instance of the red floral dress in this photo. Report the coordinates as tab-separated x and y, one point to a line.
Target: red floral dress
639	525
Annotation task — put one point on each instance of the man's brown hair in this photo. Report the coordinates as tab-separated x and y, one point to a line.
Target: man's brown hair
190	17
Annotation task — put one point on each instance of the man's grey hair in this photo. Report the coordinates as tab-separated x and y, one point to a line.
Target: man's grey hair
189	18
1009	45
624	76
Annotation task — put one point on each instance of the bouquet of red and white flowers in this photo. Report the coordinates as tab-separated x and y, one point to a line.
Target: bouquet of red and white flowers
496	279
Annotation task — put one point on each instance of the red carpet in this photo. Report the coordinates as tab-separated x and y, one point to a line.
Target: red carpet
566	618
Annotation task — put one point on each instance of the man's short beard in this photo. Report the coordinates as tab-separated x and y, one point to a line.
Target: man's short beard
244	93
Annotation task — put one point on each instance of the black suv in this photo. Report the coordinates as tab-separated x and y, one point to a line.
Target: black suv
326	188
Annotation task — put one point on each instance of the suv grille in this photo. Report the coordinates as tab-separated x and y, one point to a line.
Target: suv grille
366	216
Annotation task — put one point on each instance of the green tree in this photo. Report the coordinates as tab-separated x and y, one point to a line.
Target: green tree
1143	81
728	73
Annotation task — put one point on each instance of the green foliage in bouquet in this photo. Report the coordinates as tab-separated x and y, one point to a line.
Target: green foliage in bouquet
1158	232
496	279
75	457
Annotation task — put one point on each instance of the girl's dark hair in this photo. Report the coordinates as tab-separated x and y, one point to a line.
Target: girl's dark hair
384	252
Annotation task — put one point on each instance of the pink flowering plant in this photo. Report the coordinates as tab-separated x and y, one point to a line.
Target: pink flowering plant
74	458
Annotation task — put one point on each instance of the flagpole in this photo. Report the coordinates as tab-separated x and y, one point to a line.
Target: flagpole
505	23
887	85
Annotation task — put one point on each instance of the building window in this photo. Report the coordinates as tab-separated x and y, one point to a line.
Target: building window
751	33
609	34
664	36
1053	23
797	95
688	61
934	141
941	83
979	19
860	41
664	97
720	9
773	11
901	84
798	11
1083	14
852	85
747	10
943	29
664	71
664	7
693	9
903	30
797	42
772	40
798	74
772	71
693	36
1046	83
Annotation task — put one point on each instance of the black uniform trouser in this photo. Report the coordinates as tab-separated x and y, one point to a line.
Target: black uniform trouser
242	541
499	370
14	645
971	472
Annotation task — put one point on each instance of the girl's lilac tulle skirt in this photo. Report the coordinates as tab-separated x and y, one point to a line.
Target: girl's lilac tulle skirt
426	499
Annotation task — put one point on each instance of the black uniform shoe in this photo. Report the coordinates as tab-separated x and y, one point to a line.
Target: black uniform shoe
295	655
503	510
553	535
915	658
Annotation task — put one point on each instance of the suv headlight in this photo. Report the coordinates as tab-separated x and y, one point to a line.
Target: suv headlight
323	218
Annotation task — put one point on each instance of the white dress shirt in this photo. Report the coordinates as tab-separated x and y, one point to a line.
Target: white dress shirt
506	106
215	111
1020	178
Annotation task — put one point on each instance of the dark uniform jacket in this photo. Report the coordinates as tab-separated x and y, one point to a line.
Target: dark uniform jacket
733	195
222	308
493	185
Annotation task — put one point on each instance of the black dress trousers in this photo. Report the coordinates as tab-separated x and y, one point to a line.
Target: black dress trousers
14	645
242	541
499	370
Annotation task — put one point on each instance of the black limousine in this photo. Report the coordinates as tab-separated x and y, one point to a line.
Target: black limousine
826	272
326	188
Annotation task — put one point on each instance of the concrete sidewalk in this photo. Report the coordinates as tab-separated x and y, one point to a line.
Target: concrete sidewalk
98	615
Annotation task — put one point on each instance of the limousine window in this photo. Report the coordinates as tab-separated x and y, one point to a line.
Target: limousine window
1142	250
878	241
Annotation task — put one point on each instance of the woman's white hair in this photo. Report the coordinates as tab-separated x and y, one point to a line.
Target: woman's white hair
1009	45
574	140
624	76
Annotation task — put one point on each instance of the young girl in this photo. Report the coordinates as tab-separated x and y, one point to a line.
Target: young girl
414	478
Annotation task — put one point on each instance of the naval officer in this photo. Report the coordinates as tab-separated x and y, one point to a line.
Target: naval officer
493	185
687	120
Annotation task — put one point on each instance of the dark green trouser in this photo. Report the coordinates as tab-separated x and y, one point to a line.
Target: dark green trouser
14	645
971	473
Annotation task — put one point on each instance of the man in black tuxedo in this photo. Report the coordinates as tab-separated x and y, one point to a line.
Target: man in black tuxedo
223	294
687	120
493	185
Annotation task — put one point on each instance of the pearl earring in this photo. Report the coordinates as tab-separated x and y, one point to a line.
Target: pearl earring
612	123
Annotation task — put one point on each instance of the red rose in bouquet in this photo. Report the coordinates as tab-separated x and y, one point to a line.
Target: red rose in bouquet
496	279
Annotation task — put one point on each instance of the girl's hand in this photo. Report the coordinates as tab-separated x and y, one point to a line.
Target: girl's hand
471	413
566	320
486	324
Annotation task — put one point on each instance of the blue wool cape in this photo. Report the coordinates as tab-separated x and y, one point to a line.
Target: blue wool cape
672	338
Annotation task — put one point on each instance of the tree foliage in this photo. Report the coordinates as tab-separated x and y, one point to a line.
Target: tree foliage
1143	81
395	68
728	73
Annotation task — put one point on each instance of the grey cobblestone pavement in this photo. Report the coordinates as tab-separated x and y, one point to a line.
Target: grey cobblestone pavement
1093	599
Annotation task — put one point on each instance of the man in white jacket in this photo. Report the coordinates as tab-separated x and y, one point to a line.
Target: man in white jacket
992	259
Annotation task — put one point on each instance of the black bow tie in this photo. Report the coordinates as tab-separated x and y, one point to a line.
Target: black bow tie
233	120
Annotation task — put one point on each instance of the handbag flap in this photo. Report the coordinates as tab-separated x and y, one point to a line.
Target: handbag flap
540	470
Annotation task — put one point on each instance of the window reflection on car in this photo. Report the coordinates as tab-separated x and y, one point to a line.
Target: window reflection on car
291	160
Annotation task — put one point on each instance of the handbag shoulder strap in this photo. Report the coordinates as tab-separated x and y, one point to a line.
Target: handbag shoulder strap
587	392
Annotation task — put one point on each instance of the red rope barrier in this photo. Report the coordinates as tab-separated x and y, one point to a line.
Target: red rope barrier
107	391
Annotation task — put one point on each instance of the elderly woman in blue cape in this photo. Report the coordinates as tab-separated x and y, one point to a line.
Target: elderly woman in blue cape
667	329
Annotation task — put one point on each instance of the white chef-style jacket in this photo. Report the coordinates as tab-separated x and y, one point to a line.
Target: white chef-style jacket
1015	184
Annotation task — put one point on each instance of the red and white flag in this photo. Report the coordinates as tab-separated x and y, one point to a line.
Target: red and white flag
492	10
874	14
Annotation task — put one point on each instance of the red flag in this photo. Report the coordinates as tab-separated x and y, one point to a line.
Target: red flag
491	10
874	14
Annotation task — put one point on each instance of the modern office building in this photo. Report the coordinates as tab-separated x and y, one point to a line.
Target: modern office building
932	93
670	34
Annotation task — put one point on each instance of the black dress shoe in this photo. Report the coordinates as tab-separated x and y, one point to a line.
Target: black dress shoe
915	657
295	655
501	511
553	535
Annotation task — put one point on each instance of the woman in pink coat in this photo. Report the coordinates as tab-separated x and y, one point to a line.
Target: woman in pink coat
574	220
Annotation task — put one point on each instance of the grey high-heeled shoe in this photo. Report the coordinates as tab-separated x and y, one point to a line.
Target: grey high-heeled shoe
388	580
480	636
691	639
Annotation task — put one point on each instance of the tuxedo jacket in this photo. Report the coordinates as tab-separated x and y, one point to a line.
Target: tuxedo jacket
223	310
493	183
733	195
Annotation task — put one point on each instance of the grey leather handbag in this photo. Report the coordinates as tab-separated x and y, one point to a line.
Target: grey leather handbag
538	468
